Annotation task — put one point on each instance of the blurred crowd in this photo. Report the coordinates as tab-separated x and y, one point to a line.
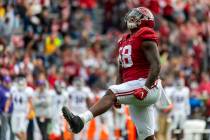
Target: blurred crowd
60	40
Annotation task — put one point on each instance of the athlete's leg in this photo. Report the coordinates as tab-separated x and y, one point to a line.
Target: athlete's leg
122	93
124	89
100	107
174	123
16	121
77	122
143	117
104	104
23	123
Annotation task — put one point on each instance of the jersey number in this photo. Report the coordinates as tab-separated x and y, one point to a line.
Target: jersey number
179	99
125	56
18	100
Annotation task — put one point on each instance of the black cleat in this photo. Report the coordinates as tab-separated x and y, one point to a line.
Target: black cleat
75	122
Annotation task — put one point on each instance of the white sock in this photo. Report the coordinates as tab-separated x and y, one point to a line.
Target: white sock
86	116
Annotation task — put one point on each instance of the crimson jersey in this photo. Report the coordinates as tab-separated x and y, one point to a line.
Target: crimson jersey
134	64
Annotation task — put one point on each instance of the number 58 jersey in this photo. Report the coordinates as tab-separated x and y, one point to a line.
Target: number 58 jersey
134	64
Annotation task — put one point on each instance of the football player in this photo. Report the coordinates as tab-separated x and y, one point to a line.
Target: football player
179	95
59	99
21	96
80	97
137	85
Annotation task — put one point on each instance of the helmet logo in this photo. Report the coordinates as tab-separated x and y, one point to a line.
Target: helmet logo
146	12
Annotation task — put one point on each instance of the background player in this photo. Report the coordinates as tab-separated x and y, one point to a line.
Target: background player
179	95
21	97
59	99
138	84
80	97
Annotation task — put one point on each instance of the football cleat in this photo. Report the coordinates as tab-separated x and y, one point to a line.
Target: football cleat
75	122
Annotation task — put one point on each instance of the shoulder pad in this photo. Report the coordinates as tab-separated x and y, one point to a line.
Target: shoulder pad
147	33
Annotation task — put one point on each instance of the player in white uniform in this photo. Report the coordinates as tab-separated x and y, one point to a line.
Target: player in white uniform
79	96
59	99
179	95
79	100
21	96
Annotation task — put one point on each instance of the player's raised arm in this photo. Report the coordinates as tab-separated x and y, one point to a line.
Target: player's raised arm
152	54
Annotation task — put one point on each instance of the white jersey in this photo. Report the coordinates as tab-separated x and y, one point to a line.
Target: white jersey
58	101
20	98
78	98
180	99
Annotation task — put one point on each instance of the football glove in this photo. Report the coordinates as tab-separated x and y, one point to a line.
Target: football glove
141	93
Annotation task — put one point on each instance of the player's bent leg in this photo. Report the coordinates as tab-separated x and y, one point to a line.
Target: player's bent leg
77	122
143	118
104	104
124	93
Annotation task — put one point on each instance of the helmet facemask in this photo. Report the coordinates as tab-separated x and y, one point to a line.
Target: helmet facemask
133	19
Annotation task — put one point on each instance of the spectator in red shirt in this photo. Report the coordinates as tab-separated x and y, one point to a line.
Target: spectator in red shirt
168	11
204	86
154	6
52	76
